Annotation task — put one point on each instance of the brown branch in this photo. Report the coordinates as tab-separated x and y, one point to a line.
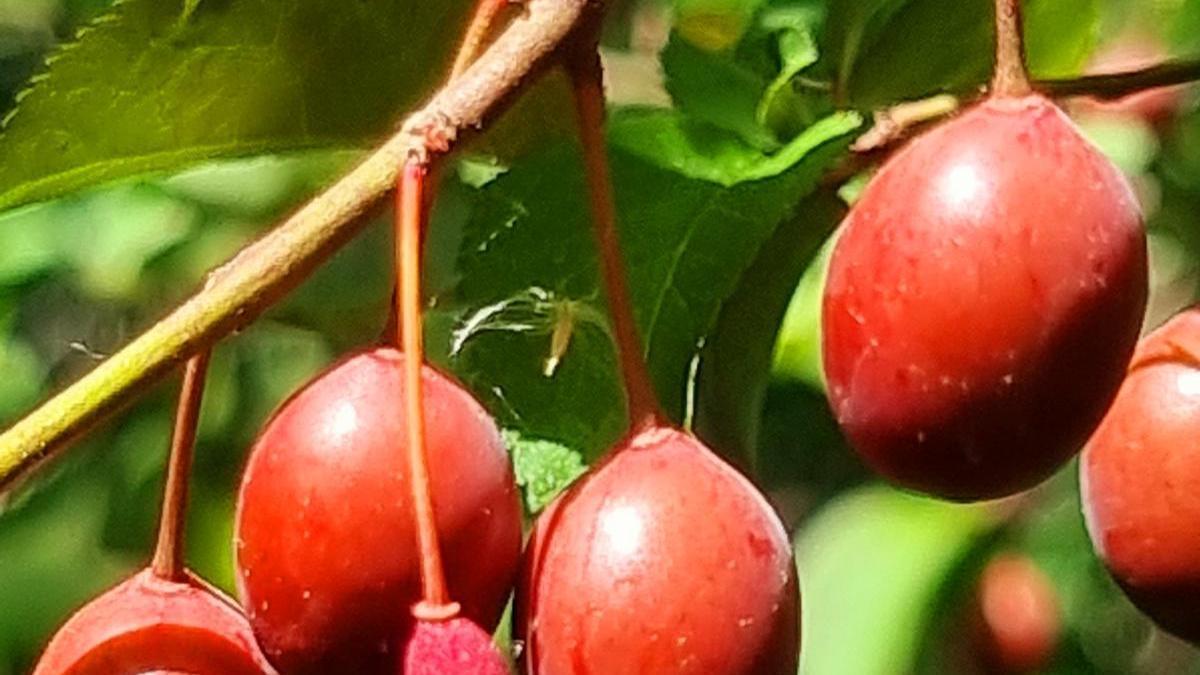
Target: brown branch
893	125
262	272
1112	86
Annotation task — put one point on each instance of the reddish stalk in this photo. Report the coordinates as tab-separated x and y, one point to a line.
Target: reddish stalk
477	30
586	75
409	220
472	44
168	561
1011	80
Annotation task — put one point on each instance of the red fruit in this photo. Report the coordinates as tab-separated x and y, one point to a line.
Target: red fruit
662	560
1019	615
454	647
982	302
149	624
1140	476
326	548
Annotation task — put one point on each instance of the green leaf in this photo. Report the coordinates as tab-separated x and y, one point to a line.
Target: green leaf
150	86
714	25
736	361
716	89
794	28
696	150
686	241
871	564
543	468
798	349
886	51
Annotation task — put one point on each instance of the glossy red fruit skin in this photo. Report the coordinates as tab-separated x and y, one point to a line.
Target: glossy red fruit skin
1019	616
147	624
327	555
983	300
662	560
454	647
1140	479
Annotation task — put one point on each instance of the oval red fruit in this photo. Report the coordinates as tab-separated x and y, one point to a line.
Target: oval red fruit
983	300
662	560
327	554
1140	474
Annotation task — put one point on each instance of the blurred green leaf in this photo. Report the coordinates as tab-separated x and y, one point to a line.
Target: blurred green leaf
1129	141
276	360
798	349
29	244
891	50
870	564
714	25
141	90
106	237
23	380
52	560
543	468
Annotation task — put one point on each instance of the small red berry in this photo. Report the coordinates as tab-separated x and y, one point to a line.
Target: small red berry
983	300
1139	478
663	559
1019	621
148	624
326	546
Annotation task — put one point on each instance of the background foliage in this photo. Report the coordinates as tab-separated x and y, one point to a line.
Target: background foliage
146	140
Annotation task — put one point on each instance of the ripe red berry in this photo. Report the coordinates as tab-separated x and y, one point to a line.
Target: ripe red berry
663	559
326	548
454	647
1139	475
150	624
982	302
1018	621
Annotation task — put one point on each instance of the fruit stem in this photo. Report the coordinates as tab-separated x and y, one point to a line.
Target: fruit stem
409	221
481	21
477	30
168	562
586	73
1011	80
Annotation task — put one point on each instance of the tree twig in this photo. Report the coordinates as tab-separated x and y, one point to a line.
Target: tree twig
894	124
262	272
1112	86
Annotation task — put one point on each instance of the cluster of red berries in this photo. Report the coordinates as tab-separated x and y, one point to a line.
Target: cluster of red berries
982	308
662	559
